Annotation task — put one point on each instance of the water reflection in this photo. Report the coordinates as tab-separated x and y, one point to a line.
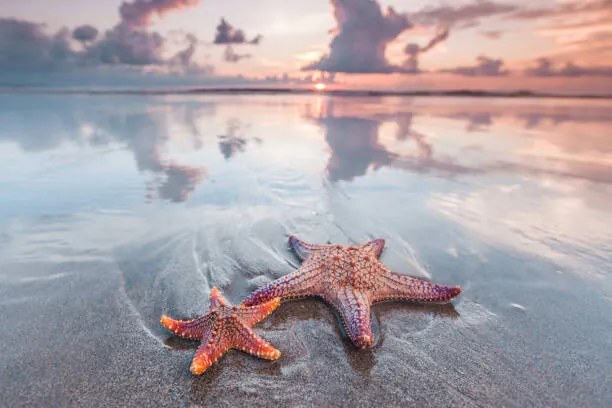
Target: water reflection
45	126
354	147
233	141
570	141
528	150
147	139
354	137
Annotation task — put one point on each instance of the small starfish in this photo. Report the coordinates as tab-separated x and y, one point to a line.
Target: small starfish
350	278
225	327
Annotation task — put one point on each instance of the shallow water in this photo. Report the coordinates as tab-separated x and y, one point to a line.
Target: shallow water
115	209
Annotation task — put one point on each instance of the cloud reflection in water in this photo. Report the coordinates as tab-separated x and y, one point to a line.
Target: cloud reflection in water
528	153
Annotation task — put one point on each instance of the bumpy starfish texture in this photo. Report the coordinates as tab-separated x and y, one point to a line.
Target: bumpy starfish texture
225	327
351	279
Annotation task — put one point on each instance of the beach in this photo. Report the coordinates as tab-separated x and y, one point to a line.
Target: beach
118	208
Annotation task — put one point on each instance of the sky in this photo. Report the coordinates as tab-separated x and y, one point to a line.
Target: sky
501	45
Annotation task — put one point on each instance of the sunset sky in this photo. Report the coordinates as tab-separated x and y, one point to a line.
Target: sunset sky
540	45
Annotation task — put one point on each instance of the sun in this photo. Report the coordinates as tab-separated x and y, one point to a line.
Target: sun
320	86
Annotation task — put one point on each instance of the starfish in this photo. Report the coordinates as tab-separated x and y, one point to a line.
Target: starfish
351	279
225	327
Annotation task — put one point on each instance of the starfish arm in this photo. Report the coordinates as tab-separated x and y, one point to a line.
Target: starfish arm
248	341
253	314
404	287
376	246
217	299
303	249
214	344
300	283
190	329
354	309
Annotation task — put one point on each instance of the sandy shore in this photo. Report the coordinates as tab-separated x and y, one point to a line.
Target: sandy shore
86	333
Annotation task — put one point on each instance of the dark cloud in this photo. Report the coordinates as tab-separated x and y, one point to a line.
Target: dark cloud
123	45
361	39
364	31
184	57
485	66
85	33
129	43
545	68
230	55
24	46
445	18
413	50
227	34
138	13
463	15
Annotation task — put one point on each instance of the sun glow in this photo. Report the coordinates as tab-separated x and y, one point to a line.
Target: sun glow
320	86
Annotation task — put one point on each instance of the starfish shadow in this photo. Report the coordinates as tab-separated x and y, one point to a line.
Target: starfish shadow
228	370
177	343
361	360
445	310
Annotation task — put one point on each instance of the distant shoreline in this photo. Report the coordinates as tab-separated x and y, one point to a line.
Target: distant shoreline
297	91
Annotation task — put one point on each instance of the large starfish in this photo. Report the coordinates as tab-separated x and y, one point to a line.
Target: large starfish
225	327
351	279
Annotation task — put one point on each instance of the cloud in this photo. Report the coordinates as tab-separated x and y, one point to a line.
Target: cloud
364	31
123	45
564	9
85	33
361	39
485	66
184	59
581	29
413	50
463	15
129	43
138	13
446	17
227	34
230	55
26	47
310	79
545	68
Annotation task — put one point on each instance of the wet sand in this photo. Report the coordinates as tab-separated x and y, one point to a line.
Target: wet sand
101	234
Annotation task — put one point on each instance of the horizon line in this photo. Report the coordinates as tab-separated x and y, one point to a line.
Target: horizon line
290	90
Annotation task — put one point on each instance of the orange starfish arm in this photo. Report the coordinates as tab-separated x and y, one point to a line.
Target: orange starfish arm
404	287
253	314
354	309
248	341
213	346
217	299
190	329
